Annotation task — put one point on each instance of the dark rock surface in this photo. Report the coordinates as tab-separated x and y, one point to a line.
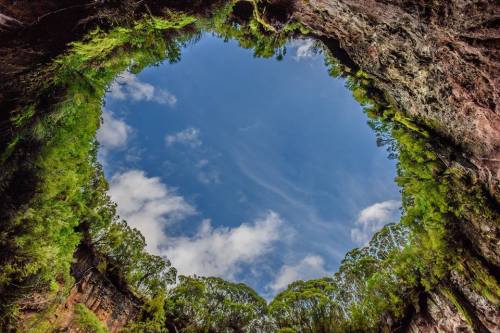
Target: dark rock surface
437	60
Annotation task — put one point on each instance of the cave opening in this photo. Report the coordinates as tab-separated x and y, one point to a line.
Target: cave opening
257	170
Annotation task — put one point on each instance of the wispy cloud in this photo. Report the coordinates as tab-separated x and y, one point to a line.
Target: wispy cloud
128	86
190	136
205	174
304	48
222	251
310	267
148	205
373	218
291	197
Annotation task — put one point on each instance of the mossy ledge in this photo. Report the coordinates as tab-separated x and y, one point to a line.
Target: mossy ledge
426	74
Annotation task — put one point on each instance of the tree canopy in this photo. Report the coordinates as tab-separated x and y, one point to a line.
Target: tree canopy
374	285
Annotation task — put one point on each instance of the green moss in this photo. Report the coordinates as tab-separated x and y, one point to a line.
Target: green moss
23	116
286	330
461	310
258	17
482	281
46	321
41	250
71	195
296	26
44	327
10	148
409	124
87	321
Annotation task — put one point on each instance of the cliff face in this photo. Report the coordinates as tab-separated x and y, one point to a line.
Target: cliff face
438	314
113	306
455	306
437	60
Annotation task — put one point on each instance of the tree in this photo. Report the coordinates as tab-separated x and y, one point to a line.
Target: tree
309	307
209	304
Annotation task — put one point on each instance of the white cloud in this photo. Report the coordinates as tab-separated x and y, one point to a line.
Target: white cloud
310	267
304	48
113	132
373	218
148	205
222	251
205	174
190	136
127	85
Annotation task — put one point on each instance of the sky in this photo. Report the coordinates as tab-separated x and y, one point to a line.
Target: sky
255	170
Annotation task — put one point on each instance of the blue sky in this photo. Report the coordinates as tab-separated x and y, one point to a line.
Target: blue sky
256	170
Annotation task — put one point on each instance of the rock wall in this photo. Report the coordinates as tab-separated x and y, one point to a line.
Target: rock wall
113	306
438	315
455	306
437	60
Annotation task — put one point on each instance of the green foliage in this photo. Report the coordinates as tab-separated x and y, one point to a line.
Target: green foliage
39	240
372	286
437	196
152	317
87	321
255	34
102	56
286	330
363	291
308	307
214	305
122	248
69	203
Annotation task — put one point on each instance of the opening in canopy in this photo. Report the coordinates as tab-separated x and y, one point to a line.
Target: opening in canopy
254	170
